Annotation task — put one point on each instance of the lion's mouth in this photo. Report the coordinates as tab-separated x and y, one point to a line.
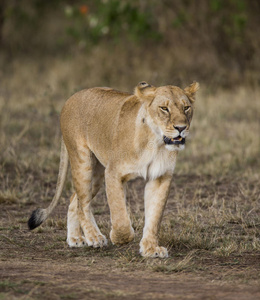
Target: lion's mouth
174	141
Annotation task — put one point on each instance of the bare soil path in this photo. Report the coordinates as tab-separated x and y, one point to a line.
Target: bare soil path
49	279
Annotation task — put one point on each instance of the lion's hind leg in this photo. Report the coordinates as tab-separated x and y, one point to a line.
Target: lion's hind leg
83	165
75	236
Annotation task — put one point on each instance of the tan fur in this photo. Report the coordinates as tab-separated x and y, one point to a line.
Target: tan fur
120	136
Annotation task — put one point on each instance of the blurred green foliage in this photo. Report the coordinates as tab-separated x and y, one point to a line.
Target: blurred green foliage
92	21
27	13
111	19
233	16
117	19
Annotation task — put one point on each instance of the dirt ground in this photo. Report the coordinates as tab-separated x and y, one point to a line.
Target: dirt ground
40	265
49	278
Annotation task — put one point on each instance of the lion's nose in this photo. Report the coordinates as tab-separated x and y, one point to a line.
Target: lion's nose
180	128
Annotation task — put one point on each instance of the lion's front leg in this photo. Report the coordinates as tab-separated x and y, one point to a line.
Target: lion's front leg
122	231
156	193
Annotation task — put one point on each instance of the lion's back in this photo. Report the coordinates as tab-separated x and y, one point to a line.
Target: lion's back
93	112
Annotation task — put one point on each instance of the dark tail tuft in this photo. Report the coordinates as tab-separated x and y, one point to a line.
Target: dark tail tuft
36	219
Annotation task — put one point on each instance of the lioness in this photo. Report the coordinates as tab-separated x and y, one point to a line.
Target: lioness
119	136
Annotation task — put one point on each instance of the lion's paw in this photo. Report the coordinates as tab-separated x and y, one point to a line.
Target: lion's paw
123	235
150	249
96	240
76	242
155	252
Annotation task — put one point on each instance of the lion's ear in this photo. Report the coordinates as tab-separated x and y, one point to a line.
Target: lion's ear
145	90
191	90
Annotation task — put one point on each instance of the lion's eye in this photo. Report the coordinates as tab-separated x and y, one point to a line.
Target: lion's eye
186	108
164	108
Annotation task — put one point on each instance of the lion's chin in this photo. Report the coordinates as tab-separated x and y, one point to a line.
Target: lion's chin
173	147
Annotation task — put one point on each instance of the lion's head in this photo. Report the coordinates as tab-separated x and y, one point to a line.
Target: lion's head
169	111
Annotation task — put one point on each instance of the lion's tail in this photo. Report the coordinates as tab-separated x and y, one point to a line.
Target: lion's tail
40	215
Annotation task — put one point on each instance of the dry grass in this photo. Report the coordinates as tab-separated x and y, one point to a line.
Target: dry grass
211	224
